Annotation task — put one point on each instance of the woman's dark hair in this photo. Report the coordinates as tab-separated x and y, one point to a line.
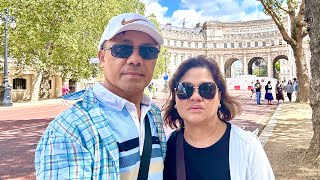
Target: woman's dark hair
230	107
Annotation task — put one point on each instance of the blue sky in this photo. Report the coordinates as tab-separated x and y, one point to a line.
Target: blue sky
195	11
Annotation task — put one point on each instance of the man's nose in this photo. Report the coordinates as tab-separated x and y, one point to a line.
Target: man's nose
135	57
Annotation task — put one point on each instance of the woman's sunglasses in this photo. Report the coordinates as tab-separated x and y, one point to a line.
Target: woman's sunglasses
207	90
125	51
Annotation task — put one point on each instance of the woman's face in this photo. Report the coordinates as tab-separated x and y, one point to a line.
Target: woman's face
196	109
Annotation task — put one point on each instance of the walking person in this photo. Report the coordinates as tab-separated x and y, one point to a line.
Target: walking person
253	89
295	86
115	132
257	86
268	96
289	89
207	145
65	91
279	92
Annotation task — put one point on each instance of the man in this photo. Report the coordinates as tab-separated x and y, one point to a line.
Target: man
258	91
115	132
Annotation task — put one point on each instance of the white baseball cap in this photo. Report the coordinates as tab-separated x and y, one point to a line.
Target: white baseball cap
130	21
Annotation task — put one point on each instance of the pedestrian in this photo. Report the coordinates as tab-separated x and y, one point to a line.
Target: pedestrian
253	89
268	96
279	92
289	89
257	86
65	91
295	86
206	145
115	131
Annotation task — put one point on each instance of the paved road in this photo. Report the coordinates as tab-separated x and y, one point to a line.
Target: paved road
22	127
20	130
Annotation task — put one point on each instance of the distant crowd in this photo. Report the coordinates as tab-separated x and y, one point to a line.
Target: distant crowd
290	88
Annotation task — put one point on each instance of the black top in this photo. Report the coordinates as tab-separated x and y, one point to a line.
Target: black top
200	163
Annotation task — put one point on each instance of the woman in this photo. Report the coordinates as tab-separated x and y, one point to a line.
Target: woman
289	89
206	145
279	93
268	95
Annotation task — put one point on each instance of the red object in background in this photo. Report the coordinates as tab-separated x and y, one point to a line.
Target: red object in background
249	88
236	87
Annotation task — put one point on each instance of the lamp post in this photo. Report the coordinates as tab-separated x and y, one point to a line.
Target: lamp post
5	89
165	77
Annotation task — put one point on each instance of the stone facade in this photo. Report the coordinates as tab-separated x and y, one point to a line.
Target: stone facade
227	42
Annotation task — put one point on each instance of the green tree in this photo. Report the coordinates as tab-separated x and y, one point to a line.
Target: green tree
295	9
58	37
163	59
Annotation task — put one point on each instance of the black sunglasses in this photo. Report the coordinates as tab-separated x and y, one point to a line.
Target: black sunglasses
125	51
207	90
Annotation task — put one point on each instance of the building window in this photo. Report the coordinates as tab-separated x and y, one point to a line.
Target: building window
225	45
182	58
204	45
263	43
189	44
240	45
165	42
197	45
214	45
272	42
280	41
256	44
181	44
248	44
175	62
174	43
232	45
19	83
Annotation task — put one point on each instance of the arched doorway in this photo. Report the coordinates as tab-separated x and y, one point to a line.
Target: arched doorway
280	67
233	68
258	66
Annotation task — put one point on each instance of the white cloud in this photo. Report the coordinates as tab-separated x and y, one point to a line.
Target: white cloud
195	11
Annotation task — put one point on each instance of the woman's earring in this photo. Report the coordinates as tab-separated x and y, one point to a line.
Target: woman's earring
219	106
175	106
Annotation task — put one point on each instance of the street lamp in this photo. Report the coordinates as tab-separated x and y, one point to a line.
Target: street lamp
165	77
5	89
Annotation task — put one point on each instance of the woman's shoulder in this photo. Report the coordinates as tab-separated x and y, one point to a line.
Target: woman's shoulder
240	134
172	137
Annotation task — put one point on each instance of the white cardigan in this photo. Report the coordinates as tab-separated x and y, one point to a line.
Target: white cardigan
247	158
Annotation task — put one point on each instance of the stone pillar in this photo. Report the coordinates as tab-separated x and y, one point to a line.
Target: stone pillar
58	86
222	65
245	65
270	66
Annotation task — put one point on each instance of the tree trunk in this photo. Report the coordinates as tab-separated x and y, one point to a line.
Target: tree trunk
45	85
313	19
302	74
36	86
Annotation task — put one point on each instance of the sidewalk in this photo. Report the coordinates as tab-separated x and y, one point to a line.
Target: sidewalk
36	103
286	138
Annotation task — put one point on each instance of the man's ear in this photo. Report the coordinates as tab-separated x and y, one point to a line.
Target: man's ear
101	57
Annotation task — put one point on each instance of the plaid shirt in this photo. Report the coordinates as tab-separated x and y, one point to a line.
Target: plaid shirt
79	143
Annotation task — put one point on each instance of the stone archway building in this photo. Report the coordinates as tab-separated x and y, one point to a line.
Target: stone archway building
227	42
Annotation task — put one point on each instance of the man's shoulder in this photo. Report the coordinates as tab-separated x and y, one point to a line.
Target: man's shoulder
73	120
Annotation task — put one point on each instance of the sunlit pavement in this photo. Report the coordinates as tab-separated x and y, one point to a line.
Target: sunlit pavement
22	125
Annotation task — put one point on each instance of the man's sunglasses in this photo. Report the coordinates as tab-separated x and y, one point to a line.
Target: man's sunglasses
125	51
207	90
